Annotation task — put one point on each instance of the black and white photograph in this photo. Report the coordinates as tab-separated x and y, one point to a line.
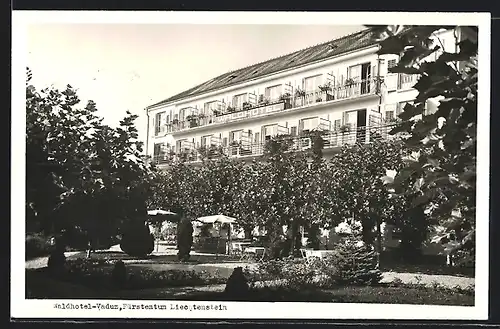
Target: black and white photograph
252	165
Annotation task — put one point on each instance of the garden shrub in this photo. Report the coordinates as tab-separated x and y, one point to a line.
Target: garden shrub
119	274
349	265
237	286
354	264
288	274
37	245
137	241
57	261
184	239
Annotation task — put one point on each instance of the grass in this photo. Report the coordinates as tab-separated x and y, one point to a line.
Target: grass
353	294
39	285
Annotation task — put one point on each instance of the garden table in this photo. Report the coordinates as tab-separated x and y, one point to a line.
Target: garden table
238	247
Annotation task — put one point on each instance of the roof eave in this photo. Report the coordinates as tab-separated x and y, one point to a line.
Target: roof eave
163	103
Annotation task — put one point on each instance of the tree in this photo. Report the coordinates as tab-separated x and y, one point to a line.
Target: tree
444	142
360	194
81	176
184	239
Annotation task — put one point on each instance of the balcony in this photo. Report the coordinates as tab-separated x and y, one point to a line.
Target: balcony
407	81
287	102
332	140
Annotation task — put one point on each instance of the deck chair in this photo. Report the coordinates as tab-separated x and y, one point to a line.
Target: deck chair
260	254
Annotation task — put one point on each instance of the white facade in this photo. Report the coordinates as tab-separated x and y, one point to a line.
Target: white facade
362	96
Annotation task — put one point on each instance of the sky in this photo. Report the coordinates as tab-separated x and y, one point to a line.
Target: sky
130	66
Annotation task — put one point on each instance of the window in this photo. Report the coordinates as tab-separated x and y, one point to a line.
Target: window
256	137
336	124
293	131
209	107
309	124
205	140
235	135
312	83
273	93
268	131
158	148
400	107
182	114
391	63
238	100
389	115
159	122
224	141
354	72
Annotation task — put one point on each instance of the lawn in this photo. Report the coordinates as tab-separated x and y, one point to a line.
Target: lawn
40	285
382	293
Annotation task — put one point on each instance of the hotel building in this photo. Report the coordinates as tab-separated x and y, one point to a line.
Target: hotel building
341	87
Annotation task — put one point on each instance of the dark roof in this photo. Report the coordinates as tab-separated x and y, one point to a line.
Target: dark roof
308	55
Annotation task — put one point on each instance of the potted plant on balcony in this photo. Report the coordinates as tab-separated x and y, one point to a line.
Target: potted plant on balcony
230	109
247	105
193	120
286	97
327	90
175	122
299	96
319	99
263	100
349	82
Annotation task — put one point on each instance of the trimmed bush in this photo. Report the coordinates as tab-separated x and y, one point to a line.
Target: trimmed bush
184	239
137	241
237	285
119	274
353	264
57	261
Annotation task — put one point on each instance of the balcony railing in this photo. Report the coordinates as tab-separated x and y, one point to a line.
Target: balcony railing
407	81
332	140
309	98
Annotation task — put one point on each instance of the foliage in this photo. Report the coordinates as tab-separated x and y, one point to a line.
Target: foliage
99	274
237	285
353	264
289	190
56	261
350	265
357	188
37	245
119	274
137	240
80	173
184	239
444	142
